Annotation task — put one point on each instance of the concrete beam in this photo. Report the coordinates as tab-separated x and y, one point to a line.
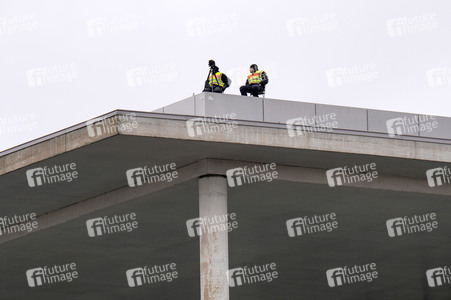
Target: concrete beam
109	199
260	134
246	133
219	167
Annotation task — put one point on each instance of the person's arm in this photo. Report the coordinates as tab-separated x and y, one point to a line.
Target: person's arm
225	79
247	81
265	79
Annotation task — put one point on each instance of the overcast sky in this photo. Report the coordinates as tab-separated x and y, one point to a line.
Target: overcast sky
64	62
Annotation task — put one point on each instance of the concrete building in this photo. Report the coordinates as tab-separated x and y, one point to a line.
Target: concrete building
323	202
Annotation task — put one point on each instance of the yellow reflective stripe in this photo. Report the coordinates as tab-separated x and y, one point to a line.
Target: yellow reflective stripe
255	78
212	79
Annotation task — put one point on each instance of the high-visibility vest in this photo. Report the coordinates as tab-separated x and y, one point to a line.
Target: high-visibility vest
255	78
212	79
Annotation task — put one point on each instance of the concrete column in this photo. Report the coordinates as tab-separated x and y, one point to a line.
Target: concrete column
214	251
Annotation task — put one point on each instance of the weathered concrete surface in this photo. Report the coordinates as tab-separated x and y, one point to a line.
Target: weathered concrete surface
245	133
217	168
214	247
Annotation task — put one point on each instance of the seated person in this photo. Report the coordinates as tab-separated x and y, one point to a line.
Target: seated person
255	83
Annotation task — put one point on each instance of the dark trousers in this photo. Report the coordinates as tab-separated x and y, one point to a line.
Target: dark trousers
253	89
216	88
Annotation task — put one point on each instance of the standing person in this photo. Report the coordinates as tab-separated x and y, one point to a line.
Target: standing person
216	82
255	83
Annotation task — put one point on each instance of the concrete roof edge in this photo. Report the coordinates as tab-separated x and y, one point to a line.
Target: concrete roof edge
76	127
185	117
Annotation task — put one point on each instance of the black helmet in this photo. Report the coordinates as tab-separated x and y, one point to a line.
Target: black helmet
255	67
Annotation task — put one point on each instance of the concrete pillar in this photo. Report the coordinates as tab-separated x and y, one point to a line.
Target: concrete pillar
214	251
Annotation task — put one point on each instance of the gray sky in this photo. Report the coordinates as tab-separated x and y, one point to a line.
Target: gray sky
64	62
